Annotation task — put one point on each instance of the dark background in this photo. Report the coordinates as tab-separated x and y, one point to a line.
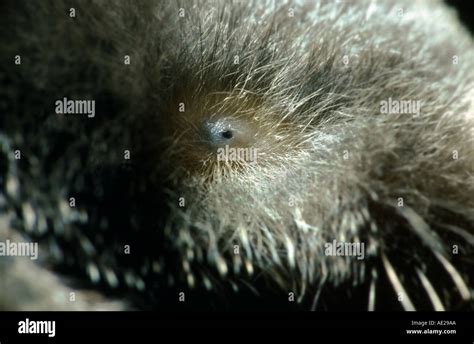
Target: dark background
465	9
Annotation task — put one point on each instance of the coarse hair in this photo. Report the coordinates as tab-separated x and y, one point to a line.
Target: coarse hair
307	80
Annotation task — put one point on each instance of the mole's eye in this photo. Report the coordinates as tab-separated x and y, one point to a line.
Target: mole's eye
227	134
219	132
228	131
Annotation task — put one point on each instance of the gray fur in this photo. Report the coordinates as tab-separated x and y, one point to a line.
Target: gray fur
333	166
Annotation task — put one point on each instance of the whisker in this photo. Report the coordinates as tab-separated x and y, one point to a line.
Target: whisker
372	292
456	277
397	285
435	300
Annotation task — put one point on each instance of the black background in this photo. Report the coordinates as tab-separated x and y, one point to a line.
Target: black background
465	9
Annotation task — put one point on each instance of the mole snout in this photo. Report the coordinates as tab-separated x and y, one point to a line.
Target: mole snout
228	131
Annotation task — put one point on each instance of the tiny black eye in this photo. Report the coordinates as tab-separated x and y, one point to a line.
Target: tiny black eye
228	134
